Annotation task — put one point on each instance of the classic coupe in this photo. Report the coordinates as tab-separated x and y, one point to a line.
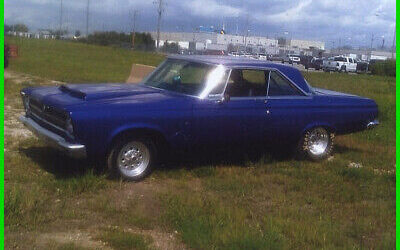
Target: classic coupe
189	102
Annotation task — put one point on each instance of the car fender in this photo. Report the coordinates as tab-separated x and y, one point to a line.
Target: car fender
327	125
133	126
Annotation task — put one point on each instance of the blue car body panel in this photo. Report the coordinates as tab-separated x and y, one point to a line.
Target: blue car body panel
101	112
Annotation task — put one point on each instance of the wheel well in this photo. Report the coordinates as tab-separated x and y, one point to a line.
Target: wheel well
327	127
157	137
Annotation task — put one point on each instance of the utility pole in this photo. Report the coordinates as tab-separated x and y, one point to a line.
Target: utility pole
160	10
134	16
246	32
394	41
135	13
372	40
87	18
61	16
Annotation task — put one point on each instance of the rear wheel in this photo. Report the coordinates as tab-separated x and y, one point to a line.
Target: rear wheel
132	158
316	144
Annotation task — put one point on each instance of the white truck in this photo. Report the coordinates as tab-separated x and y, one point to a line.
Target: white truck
291	59
340	64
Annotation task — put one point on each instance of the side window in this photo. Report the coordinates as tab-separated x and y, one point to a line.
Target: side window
279	86
247	83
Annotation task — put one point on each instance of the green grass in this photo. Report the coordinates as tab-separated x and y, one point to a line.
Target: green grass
124	240
76	62
242	201
206	224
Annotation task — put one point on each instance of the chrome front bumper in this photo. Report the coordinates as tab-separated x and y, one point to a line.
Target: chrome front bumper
77	151
372	124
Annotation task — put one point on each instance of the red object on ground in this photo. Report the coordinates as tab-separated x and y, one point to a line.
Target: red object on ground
13	50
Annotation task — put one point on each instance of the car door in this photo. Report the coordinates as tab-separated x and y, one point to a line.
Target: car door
287	109
237	120
352	65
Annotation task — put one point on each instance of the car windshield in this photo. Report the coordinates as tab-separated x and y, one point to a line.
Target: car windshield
189	78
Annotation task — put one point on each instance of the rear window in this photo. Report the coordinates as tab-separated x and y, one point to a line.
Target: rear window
279	86
339	59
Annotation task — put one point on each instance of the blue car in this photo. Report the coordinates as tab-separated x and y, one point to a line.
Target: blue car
189	102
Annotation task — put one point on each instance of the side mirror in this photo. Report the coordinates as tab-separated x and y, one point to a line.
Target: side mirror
225	98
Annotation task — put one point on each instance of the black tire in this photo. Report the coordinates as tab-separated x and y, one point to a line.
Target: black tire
343	69
304	150
114	154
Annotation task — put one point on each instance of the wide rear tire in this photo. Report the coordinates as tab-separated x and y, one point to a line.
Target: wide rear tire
316	144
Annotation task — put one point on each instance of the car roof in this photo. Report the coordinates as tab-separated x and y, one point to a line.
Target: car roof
236	62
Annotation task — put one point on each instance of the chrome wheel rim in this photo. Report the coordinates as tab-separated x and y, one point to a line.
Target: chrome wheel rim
318	141
133	159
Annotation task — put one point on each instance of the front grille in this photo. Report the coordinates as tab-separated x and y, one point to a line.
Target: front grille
48	114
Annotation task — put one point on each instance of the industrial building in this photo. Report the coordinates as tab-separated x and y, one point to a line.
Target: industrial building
200	41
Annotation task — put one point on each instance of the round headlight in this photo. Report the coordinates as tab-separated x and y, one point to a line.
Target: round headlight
69	127
26	104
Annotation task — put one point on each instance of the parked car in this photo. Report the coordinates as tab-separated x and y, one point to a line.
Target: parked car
262	56
362	66
305	60
315	63
291	59
275	58
190	102
6	55
340	64
233	54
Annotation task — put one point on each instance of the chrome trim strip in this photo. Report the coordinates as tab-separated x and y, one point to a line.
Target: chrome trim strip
77	151
269	78
273	69
372	124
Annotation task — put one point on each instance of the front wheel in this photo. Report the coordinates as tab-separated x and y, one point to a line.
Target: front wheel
132	158
316	144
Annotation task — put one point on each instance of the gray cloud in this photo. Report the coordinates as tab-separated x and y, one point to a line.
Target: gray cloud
350	22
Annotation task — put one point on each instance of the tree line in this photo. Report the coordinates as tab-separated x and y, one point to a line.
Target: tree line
142	41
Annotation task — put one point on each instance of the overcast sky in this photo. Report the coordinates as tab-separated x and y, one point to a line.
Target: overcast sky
344	22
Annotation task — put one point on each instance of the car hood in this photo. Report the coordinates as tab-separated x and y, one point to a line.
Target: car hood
90	92
75	96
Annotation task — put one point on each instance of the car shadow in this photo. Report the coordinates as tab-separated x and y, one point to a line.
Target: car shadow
341	149
236	156
64	167
58	164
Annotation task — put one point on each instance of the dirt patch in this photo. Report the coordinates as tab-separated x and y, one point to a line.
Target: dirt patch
19	78
161	240
138	72
13	109
78	238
